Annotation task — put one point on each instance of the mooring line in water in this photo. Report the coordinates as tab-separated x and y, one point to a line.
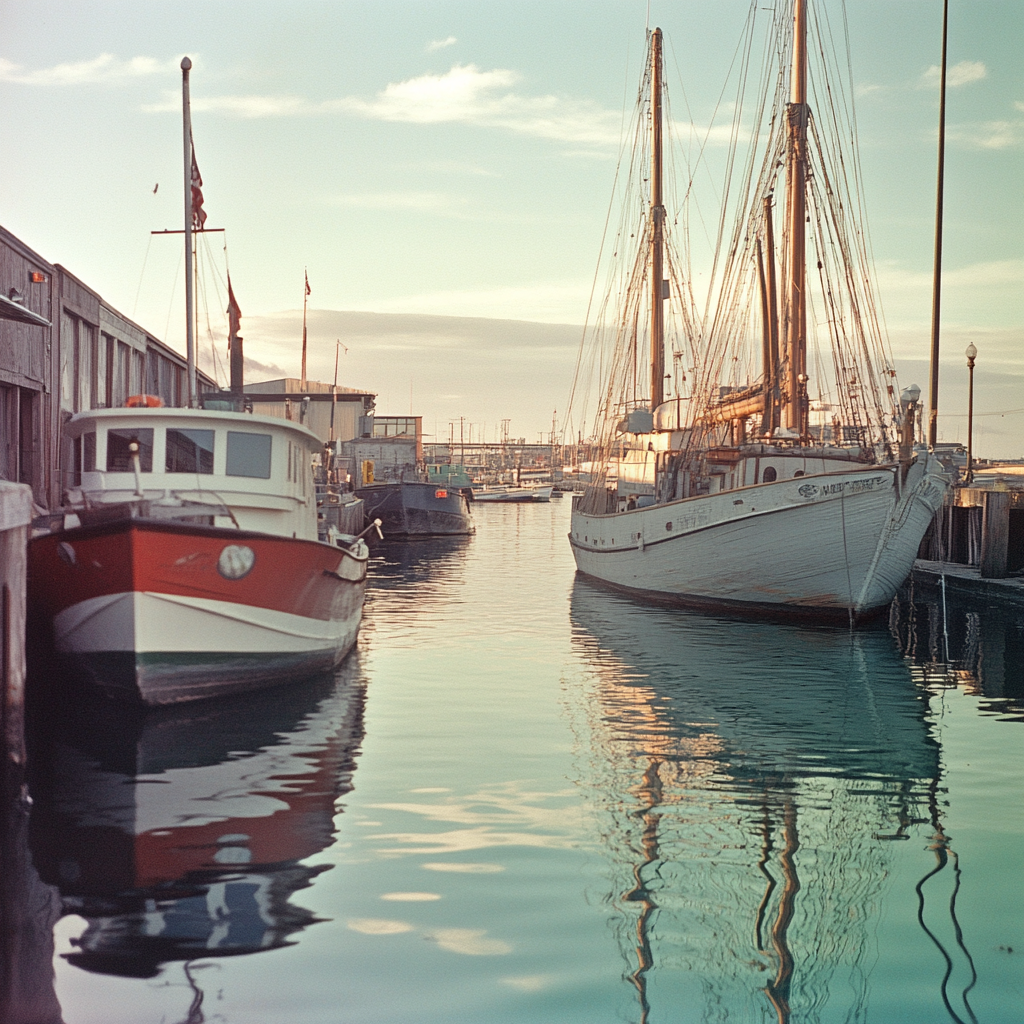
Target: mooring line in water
945	620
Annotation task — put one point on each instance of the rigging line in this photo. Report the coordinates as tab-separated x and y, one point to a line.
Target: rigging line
142	274
174	288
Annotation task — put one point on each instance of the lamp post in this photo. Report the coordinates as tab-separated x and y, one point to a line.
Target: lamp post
972	354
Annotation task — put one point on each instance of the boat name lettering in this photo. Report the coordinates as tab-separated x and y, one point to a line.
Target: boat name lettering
843	487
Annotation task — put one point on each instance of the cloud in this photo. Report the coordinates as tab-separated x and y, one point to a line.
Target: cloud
440	44
988	134
106	68
239	106
468	95
463	95
964	73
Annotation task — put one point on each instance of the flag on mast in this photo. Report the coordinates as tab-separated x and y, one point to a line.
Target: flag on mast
198	213
234	341
234	313
308	292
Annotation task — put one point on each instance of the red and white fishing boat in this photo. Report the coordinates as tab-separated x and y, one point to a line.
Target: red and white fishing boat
187	562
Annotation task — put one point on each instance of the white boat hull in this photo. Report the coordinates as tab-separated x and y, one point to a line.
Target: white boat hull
829	545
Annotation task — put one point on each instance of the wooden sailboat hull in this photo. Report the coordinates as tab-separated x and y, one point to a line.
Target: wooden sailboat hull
823	546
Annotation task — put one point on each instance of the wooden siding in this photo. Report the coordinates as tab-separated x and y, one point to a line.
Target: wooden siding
91	356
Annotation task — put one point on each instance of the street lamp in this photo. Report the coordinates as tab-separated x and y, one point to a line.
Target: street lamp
972	354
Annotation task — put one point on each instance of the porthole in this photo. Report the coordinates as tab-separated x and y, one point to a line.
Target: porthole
769	476
236	561
668	526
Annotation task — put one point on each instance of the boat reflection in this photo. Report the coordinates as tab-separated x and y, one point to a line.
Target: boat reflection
950	643
182	833
757	779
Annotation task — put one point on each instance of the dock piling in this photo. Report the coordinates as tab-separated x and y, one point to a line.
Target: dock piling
995	534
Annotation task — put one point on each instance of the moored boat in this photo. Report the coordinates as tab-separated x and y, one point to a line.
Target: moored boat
413	508
749	488
501	493
187	563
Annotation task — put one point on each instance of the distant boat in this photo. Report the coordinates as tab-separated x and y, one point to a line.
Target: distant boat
512	494
727	494
187	564
412	508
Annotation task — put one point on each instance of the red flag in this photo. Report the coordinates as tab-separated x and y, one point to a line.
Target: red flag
234	314
198	213
307	283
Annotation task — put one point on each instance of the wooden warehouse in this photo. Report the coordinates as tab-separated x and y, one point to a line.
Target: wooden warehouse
64	349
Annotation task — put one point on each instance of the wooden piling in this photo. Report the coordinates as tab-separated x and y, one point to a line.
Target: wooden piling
15	516
995	534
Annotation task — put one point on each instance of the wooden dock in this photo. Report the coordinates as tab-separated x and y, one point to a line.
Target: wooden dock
967	581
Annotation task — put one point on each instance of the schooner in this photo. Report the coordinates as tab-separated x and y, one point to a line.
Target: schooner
755	486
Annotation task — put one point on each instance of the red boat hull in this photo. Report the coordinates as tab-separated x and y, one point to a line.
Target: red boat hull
166	612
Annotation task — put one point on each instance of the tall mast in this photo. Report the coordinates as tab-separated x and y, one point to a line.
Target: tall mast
796	215
933	383
190	347
657	233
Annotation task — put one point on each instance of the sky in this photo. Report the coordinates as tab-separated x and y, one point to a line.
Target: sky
442	172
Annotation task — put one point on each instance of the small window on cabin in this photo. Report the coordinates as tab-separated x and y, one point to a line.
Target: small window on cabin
89	452
249	454
119	459
799	472
769	475
189	451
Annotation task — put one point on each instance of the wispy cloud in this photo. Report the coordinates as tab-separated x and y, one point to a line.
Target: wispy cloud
964	73
463	95
441	44
239	106
468	95
106	68
989	134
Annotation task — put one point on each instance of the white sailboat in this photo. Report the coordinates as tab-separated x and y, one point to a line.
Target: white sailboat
752	487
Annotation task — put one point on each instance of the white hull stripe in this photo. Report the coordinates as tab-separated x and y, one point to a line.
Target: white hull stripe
144	622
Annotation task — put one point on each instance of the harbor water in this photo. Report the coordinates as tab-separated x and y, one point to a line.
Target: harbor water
527	800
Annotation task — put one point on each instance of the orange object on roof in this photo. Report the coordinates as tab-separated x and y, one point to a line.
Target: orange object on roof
144	401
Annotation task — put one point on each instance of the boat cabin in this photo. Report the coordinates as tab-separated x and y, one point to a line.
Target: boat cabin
258	468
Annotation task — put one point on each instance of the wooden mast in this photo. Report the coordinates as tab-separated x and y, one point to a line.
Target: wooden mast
657	233
933	383
796	215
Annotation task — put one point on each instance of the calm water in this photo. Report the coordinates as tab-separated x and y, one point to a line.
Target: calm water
527	800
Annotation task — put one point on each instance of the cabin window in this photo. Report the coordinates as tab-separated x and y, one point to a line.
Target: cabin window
119	459
249	454
189	451
89	452
799	472
769	475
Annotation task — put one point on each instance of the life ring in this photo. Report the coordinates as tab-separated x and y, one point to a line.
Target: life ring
144	401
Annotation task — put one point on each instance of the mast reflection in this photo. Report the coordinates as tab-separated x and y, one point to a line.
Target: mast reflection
755	776
182	833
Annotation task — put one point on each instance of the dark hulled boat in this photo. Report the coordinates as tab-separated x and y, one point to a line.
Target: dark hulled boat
416	509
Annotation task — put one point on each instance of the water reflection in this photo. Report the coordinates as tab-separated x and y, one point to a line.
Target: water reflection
181	833
756	781
950	643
